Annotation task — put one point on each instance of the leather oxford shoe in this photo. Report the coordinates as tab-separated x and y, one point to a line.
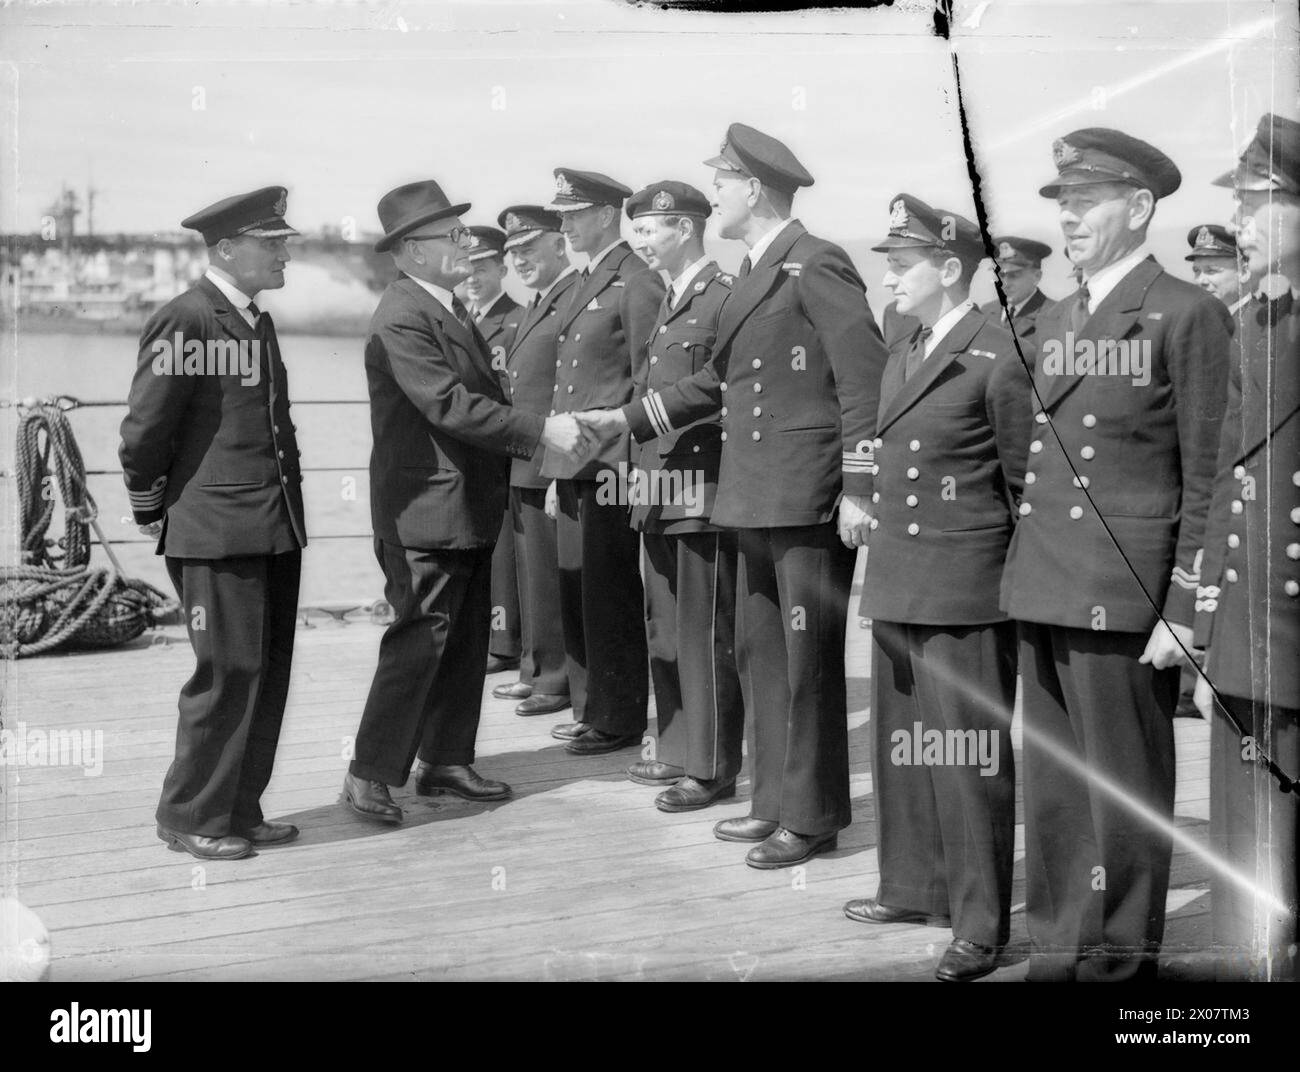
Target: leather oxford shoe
652	772
963	961
569	731
692	794
464	782
516	690
746	828
370	800
497	663
869	910
785	848
542	703
268	833
206	848
597	742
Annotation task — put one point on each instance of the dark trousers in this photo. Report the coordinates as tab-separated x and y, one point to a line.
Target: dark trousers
945	813
1099	802
1253	829
792	598
505	641
601	608
241	614
543	665
690	596
427	692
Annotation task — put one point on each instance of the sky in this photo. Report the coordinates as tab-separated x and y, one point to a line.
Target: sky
165	108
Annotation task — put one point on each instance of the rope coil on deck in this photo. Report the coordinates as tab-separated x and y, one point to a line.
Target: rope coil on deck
60	600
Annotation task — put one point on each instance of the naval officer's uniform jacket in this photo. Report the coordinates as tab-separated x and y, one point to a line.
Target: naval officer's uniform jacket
1142	443
529	375
1024	318
1248	615
796	370
498	324
950	450
601	344
690	564
213	456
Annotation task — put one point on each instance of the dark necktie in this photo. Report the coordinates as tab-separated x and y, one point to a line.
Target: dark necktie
462	314
916	354
745	266
254	312
1079	313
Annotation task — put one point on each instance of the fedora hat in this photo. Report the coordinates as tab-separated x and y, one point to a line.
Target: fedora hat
402	210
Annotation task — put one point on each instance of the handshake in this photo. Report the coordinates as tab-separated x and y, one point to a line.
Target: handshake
577	434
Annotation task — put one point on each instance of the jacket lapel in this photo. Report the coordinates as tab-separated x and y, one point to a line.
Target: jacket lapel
231	319
748	293
454	334
910	391
1274	358
1117	313
604	274
693	288
537	313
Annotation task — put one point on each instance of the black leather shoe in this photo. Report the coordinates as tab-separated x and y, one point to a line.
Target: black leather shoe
543	703
230	847
569	731
963	961
370	800
598	742
692	794
516	690
464	782
268	833
785	848
497	663
652	772
869	910
746	828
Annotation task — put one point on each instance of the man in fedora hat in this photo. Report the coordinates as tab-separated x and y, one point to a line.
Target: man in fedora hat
438	475
211	468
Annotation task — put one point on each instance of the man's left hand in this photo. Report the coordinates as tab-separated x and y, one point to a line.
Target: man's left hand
1163	650
854	520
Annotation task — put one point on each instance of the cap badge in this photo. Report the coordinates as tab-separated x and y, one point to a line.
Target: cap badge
513	222
1006	251
563	185
475	242
1063	153
281	204
663	201
898	215
1204	238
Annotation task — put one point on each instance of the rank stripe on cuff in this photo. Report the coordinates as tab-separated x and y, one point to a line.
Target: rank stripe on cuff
654	409
1185	579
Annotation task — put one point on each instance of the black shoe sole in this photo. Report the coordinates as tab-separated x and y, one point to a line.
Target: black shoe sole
604	749
967	978
275	841
726	794
826	846
176	845
390	820
438	790
742	840
919	919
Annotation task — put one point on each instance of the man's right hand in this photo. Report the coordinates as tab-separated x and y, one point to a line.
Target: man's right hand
566	435
153	530
604	422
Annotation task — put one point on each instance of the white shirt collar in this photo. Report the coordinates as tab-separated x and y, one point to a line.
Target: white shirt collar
683	281
556	281
441	293
945	324
760	247
591	264
1104	280
237	297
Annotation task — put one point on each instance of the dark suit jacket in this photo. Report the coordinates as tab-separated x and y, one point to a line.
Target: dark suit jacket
951	444
213	456
1025	322
1147	450
498	328
601	348
1248	607
530	371
681	344
441	426
796	369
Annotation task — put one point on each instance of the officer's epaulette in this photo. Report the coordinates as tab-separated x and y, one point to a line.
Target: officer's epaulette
725	278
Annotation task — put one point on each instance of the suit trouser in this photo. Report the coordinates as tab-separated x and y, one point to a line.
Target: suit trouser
241	614
543	662
1099	801
945	815
601	607
427	692
1253	827
505	641
792	598
690	595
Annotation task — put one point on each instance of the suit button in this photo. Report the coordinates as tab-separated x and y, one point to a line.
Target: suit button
913	473
1230	575
1030	477
1040	417
1089	421
575	362
758	411
873	524
1295	516
1080	481
578	337
758	388
284	479
758	363
696	448
757	437
276	429
561	339
1036	446
1087	453
875	496
1236	506
912	500
1239	471
878	443
1076	512
552	413
1234	540
515	374
722	386
1293	551
724	411
556	387
914	445
663	330
558	364
1025	508
724	437
1292	588
654	360
279	454
1295	478
913	529
569	389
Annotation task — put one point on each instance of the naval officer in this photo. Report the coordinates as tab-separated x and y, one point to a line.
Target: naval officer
211	467
1217	266
1020	268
